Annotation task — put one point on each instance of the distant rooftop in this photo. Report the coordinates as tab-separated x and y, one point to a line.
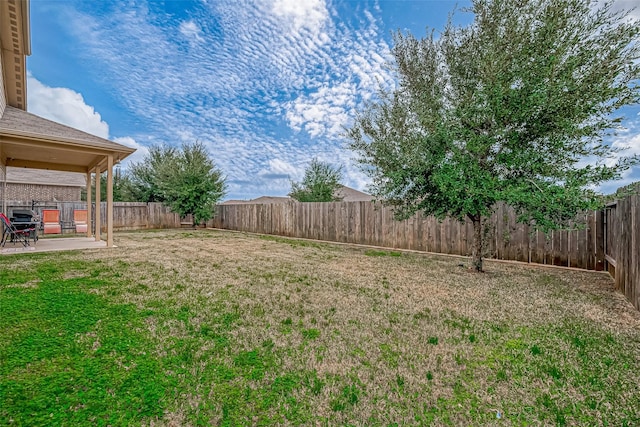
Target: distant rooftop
260	200
347	194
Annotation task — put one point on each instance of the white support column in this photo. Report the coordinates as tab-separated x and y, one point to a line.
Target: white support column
110	201
89	202
3	170
98	224
4	193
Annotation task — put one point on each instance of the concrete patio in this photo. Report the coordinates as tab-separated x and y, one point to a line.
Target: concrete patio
52	245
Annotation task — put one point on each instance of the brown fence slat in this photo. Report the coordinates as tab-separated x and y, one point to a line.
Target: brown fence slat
635	251
374	224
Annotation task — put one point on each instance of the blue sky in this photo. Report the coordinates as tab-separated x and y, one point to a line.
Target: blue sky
266	84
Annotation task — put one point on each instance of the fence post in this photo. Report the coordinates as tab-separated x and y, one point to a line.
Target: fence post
599	240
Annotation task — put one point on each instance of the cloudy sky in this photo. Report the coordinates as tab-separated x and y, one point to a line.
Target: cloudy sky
266	84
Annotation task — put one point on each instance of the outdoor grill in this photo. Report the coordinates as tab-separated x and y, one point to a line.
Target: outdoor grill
24	218
23	215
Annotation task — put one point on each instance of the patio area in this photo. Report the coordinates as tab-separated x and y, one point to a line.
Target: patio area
52	245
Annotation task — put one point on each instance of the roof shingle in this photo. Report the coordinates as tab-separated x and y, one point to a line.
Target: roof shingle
16	121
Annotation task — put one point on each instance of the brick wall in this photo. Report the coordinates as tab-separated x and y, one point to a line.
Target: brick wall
30	192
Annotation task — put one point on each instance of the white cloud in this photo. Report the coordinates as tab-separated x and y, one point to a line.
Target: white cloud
360	71
138	155
281	167
266	85
271	94
627	144
64	106
321	114
68	107
310	14
191	31
630	145
628	5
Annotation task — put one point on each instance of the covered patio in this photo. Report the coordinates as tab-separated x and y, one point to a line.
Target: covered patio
30	141
51	245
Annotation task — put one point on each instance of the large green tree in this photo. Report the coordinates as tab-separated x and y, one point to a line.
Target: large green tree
185	178
189	182
320	183
513	107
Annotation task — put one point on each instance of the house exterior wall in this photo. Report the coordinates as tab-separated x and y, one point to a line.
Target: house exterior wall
43	185
28	192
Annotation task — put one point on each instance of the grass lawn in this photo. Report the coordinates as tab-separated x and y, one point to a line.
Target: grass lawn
205	327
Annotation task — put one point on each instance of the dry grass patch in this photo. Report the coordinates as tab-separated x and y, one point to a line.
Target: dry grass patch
266	330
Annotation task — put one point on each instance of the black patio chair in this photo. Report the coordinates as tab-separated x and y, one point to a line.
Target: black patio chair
14	234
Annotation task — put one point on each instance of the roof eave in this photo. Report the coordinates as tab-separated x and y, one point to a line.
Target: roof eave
26	29
106	148
16	46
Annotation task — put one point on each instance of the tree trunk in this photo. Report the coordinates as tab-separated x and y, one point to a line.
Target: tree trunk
477	242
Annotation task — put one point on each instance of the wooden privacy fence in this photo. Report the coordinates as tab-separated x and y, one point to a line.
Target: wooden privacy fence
372	224
614	230
126	215
622	245
609	239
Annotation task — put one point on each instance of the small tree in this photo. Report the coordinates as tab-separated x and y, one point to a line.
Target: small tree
507	109
189	182
320	183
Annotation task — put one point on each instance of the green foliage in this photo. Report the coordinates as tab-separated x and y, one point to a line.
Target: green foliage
123	188
507	109
185	179
626	191
320	183
190	182
145	175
